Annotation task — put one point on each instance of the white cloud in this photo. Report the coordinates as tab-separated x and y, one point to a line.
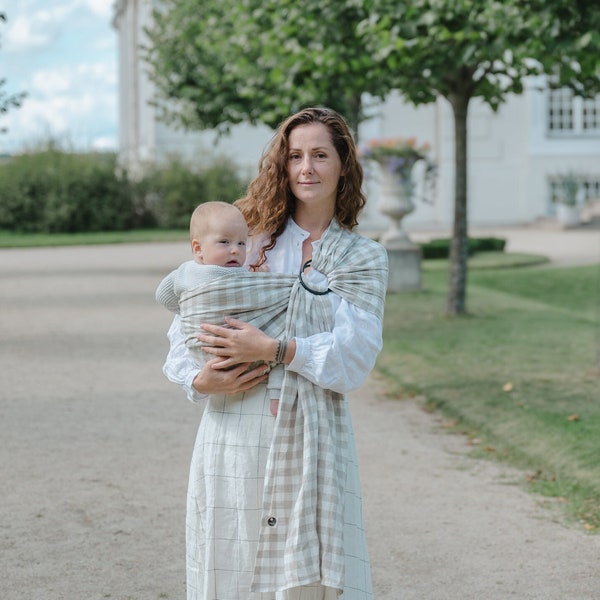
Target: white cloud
104	143
101	8
23	34
81	122
49	83
63	54
32	28
76	105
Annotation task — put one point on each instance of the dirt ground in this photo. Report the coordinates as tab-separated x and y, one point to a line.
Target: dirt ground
95	447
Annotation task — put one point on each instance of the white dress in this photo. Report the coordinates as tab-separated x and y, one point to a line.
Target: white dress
232	445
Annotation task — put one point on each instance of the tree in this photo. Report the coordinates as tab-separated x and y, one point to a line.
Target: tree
8	101
459	50
221	62
465	49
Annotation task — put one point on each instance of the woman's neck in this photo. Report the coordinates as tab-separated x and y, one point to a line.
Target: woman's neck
316	225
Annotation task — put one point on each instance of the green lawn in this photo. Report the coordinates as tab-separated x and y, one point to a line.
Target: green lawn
9	239
518	373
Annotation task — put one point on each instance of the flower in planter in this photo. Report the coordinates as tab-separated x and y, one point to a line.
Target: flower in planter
398	156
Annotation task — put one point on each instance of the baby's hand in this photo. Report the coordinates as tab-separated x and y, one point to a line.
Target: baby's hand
274	406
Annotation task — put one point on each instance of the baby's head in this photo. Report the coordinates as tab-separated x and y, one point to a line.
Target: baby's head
218	233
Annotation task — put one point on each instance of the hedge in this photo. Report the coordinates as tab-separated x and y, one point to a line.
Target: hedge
53	191
440	247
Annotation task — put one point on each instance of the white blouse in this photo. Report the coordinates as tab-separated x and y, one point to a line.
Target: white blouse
339	360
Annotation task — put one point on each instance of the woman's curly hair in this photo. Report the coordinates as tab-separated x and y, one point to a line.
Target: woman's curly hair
269	201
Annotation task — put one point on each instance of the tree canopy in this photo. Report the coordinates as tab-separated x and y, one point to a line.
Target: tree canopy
221	62
568	46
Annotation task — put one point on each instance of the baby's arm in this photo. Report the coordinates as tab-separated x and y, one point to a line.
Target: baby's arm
165	294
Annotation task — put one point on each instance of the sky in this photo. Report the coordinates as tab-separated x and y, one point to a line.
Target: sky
63	53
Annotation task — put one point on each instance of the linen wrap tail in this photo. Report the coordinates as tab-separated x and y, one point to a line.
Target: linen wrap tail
306	468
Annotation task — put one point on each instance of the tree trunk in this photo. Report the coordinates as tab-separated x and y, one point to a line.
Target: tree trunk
457	275
355	115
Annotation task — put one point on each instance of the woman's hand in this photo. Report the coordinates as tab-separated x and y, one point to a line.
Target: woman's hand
214	380
236	344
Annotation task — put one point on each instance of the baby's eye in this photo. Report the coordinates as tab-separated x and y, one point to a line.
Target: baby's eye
223	241
242	243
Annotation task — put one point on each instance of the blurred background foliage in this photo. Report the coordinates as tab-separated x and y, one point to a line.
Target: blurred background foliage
52	190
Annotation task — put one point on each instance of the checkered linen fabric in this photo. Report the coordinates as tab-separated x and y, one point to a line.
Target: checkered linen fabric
301	536
259	298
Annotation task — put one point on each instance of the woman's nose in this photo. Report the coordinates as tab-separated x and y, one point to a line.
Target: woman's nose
307	166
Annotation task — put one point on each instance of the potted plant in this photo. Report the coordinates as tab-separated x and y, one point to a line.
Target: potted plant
569	198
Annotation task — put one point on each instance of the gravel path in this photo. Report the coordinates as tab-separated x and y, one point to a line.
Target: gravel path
96	445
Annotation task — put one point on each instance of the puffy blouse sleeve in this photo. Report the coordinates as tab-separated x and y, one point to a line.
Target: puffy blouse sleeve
180	367
342	359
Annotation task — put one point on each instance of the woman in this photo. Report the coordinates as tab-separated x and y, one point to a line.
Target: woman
274	509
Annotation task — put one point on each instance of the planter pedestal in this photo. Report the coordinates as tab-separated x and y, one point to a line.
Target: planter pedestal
404	269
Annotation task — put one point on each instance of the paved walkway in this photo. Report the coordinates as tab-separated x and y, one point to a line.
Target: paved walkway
96	446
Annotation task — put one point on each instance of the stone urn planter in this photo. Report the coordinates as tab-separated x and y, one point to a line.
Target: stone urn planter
395	202
395	159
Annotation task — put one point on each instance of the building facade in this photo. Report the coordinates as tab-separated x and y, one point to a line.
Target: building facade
516	158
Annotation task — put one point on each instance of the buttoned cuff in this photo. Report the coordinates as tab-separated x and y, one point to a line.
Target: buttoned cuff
301	356
192	394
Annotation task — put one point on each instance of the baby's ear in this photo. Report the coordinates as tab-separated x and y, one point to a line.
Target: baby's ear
196	248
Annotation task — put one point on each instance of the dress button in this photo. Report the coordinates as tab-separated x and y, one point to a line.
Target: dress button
271	521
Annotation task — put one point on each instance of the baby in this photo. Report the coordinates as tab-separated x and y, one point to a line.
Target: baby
218	235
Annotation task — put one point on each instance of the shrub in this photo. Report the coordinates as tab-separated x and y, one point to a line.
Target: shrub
440	247
171	192
52	191
487	244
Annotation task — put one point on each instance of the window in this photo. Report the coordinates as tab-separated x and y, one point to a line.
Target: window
569	114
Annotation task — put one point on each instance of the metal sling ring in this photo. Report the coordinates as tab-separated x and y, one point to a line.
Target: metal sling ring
304	267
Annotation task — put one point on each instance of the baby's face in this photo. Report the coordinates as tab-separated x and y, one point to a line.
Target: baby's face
224	245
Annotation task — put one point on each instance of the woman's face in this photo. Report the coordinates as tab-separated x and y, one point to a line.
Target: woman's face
314	168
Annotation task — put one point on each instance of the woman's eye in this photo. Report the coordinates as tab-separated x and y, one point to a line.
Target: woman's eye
294	156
